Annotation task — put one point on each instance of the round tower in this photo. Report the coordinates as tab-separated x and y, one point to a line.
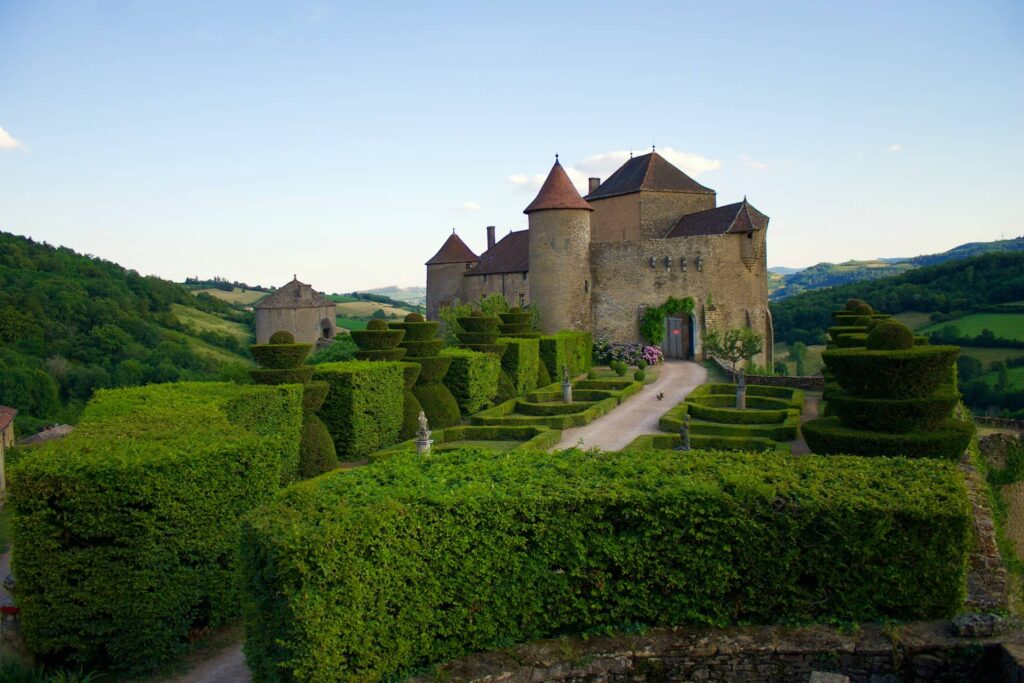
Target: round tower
560	254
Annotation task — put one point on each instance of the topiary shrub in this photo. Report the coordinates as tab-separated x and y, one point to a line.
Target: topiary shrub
472	378
911	373
363	412
298	375
438	404
506	389
313	395
520	361
280	356
946	440
422	347
282	337
377	340
862	310
377	325
128	527
410	404
591	374
414	318
641	365
639	375
890	336
515	322
316	449
568	347
543	377
387	569
619	367
853	304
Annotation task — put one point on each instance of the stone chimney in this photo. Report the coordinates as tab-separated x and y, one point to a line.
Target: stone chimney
490	236
594	182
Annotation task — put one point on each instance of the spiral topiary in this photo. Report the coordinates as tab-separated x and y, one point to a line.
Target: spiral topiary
282	337
422	348
890	336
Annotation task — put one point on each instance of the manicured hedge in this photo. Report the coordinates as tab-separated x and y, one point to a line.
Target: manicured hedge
479	325
377	340
421	349
535	437
127	529
316	449
472	378
299	375
313	395
528	408
280	356
417	331
438	404
410	404
520	361
849	341
947	440
543	376
505	414
705	442
894	415
568	347
506	389
910	373
382	355
369	574
363	412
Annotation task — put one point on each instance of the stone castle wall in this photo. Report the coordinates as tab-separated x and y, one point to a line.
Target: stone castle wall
727	294
445	284
660	211
615	219
515	287
307	324
560	268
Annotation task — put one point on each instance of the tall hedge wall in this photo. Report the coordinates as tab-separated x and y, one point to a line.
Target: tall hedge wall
417	560
126	531
520	361
363	411
568	347
472	378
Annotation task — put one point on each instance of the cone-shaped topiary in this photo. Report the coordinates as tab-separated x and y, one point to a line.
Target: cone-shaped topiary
543	376
422	347
379	343
890	336
316	450
282	337
515	322
280	356
410	404
480	333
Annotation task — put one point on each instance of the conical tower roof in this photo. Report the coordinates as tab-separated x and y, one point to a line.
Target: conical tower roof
454	250
557	192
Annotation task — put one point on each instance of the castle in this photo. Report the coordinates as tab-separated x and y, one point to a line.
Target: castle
596	263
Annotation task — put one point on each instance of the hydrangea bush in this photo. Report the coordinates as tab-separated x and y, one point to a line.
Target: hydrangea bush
631	354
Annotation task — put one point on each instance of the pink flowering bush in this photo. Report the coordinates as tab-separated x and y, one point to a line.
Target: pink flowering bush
631	354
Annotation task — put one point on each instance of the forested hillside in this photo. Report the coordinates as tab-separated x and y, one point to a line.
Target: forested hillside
954	287
71	324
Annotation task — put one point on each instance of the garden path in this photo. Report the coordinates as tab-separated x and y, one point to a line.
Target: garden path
640	413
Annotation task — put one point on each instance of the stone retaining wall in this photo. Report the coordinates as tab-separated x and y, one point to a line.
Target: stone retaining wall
924	651
1001	422
807	383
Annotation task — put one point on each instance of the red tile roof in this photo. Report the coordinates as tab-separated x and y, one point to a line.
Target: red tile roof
510	255
557	192
731	218
295	294
6	416
454	250
647	172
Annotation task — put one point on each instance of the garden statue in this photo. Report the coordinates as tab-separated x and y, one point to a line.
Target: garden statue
423	440
684	434
566	385
741	391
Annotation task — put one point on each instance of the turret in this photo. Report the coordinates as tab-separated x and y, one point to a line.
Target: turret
560	254
445	273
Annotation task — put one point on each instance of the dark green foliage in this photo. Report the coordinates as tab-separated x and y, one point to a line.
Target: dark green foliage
727	442
421	349
641	365
341	349
472	378
299	375
506	389
417	331
520	361
313	395
544	409
477	338
912	373
282	337
410	415
316	450
535	437
410	373
438	404
586	412
853	304
377	340
497	349
849	341
619	367
479	324
894	415
543	376
862	309
382	355
568	347
515	323
127	529
377	325
947	440
639	375
363	412
435	368
772	412
890	336
414	318
838	330
280	356
368	574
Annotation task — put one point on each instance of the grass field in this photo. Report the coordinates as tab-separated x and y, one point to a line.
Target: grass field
209	350
236	296
355	309
351	323
1005	325
914	320
812	362
1016	378
987	356
201	320
341	298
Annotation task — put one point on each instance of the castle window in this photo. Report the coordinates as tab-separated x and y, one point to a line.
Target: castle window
468	266
750	235
682	264
524	276
485	277
522	299
586	285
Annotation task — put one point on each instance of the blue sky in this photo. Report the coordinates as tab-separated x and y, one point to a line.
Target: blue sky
343	142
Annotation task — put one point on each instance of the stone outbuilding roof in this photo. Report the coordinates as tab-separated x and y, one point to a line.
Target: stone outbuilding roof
557	192
7	416
647	172
510	255
454	250
295	294
731	218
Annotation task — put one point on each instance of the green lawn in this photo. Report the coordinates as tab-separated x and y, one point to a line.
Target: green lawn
200	320
1005	325
812	362
1016	377
914	319
351	323
205	349
987	356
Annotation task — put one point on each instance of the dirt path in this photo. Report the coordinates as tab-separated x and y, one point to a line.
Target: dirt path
640	413
810	412
227	666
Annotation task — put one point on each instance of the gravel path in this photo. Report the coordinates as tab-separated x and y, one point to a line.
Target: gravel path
638	414
227	666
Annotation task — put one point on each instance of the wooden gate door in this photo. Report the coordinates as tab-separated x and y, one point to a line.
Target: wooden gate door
677	340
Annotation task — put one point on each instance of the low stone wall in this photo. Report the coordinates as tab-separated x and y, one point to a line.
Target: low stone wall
813	383
1000	422
924	651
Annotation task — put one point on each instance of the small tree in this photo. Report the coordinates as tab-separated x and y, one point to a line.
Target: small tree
733	345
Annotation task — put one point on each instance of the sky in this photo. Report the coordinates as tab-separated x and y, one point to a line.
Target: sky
344	142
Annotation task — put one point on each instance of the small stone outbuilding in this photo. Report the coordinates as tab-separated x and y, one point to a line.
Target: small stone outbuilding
299	309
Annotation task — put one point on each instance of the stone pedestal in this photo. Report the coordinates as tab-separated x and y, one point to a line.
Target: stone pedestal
741	392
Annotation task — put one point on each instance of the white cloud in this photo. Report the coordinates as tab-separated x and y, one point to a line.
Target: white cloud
753	163
470	206
519	179
7	141
895	148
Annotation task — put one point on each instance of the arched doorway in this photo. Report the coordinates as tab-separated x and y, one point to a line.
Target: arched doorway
326	328
679	338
